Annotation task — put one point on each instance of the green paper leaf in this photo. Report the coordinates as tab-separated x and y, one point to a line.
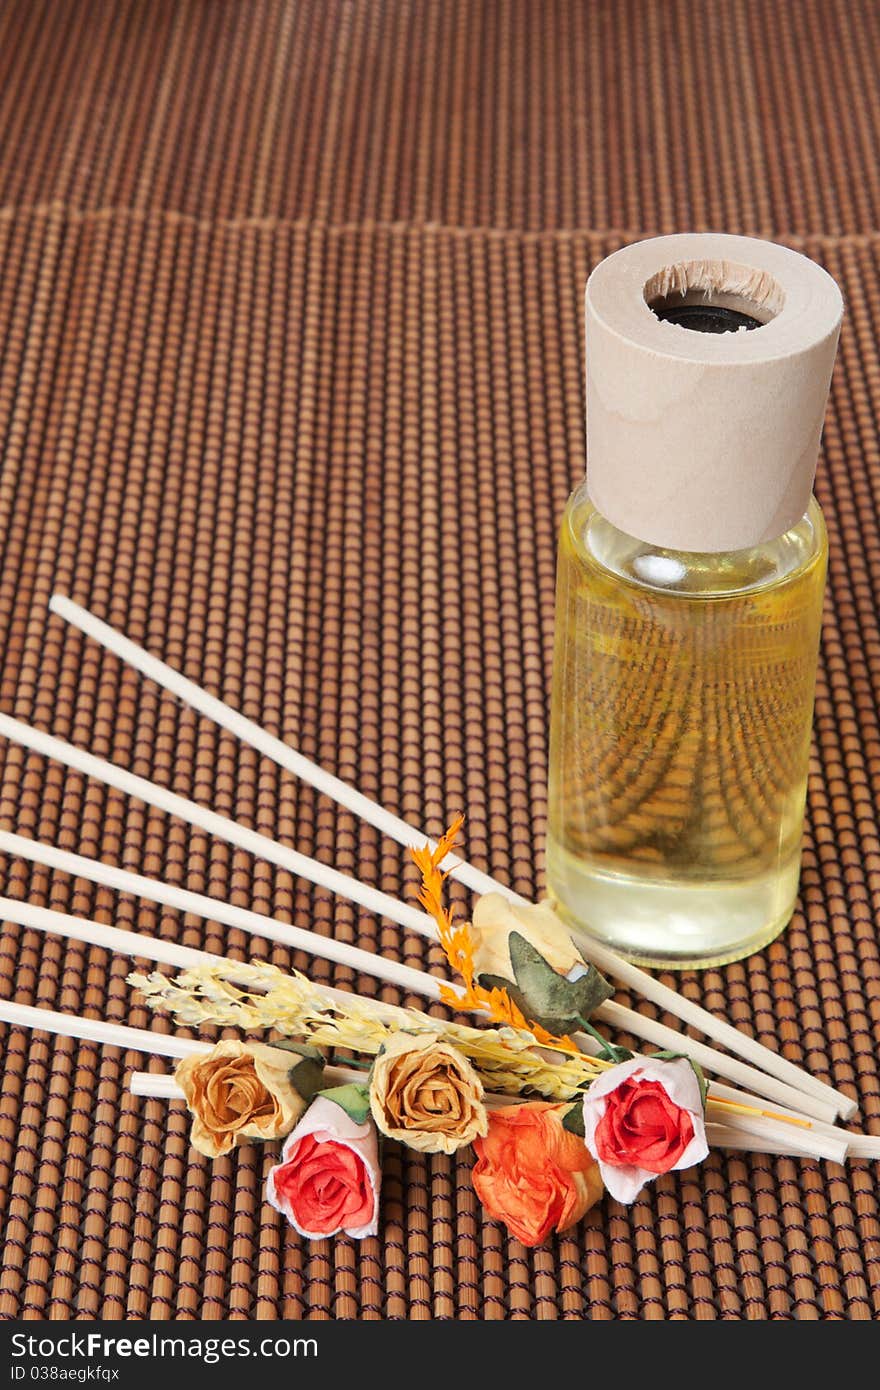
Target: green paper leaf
701	1079
573	1121
352	1098
307	1074
610	1051
543	995
301	1049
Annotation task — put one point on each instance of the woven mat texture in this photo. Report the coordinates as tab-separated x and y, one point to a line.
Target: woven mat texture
291	392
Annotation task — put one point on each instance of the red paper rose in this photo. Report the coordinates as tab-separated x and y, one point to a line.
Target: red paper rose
642	1126
325	1185
642	1118
328	1179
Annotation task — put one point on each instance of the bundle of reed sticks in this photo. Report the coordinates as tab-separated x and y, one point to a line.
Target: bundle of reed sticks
757	1100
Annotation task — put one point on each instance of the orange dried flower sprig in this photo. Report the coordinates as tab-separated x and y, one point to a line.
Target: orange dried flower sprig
458	948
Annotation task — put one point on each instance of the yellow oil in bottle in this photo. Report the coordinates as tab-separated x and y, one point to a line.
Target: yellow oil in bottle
680	734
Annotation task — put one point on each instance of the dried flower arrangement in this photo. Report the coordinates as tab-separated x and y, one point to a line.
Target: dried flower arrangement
433	1086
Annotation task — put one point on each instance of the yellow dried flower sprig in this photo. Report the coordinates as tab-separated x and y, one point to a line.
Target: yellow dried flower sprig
262	997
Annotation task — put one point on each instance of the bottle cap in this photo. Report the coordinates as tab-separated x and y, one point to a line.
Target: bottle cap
709	359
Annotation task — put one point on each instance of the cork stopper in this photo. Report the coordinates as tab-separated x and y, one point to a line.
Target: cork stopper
709	360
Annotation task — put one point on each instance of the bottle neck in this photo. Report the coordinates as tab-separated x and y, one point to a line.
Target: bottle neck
708	574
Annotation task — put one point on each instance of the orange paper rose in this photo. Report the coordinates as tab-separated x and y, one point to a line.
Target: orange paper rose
532	1174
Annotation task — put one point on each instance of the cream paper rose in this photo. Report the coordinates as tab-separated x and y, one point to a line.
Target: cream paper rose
241	1091
426	1094
495	917
526	950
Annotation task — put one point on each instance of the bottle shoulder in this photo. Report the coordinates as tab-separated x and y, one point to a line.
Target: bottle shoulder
596	542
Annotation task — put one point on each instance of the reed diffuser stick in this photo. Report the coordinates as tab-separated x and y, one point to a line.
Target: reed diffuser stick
214	824
263	742
147	947
96	1030
254	923
718	1030
105	1034
415	981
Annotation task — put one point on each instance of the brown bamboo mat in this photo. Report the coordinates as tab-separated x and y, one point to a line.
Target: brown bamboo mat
758	116
262	411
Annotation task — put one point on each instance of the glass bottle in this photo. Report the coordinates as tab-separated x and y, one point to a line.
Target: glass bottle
689	601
